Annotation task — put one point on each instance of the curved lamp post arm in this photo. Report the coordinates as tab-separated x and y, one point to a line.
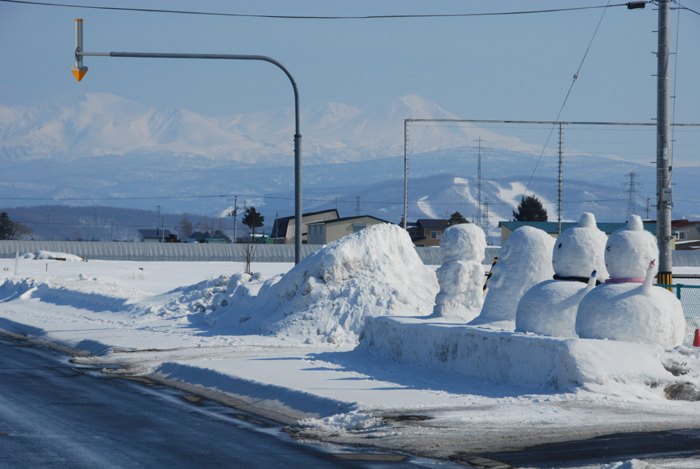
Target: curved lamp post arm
79	54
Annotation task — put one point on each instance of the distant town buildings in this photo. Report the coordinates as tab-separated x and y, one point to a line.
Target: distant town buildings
324	232
283	228
153	236
426	232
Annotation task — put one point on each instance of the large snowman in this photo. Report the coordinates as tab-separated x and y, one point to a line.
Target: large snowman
524	261
629	307
550	307
461	275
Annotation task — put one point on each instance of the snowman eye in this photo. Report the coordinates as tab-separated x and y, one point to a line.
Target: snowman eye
559	247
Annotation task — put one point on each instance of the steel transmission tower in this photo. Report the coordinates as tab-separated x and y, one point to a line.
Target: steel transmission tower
632	191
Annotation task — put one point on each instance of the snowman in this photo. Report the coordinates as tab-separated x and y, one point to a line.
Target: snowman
550	307
461	275
629	307
524	261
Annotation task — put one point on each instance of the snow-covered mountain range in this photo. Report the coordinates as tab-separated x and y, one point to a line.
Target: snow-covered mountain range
104	124
106	150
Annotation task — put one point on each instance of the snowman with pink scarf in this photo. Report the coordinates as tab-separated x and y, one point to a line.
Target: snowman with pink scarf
628	306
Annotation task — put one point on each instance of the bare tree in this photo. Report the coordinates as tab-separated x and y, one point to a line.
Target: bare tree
185	229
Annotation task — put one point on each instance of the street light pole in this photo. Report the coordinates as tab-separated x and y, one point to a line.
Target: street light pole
79	71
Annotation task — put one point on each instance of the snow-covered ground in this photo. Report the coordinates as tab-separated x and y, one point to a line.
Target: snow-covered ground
195	324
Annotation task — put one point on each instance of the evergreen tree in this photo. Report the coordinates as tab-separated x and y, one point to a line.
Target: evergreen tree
456	219
530	209
253	219
172	238
7	228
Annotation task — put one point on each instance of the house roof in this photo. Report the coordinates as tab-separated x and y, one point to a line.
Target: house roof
280	225
327	222
154	234
432	223
552	227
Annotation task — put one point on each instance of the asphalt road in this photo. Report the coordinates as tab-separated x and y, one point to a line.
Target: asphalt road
55	415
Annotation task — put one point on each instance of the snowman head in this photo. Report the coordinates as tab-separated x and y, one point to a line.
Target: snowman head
579	250
463	242
630	250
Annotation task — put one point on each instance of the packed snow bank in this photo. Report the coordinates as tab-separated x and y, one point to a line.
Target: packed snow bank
557	364
328	295
59	256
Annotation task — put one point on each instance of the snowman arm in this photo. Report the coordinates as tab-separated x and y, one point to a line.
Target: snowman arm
591	282
649	280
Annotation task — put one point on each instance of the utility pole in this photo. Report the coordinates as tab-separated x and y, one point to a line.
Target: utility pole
561	137
486	220
664	193
235	217
358	206
405	173
478	185
648	200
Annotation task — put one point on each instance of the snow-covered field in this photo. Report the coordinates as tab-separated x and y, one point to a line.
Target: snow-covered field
286	347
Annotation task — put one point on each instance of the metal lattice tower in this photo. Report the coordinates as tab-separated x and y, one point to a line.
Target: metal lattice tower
632	191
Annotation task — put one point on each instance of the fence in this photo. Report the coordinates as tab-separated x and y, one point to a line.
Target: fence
189	252
689	296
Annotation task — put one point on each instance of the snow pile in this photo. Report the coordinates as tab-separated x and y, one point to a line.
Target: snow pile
328	295
356	422
631	464
524	261
630	370
461	275
550	307
59	256
625	310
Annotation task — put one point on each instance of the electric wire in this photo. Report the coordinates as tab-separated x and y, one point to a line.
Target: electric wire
683	7
527	186
305	17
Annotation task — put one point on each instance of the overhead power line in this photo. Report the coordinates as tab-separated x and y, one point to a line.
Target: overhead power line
304	17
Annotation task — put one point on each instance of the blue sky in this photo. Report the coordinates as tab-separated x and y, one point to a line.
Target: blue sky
514	67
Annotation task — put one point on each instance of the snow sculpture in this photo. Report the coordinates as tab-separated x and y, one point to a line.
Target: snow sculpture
524	261
461	275
622	309
550	307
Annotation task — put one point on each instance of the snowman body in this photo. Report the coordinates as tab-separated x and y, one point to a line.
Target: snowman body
461	275
550	307
629	307
524	261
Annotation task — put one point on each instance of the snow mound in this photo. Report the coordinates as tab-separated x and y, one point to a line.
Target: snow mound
633	313
631	464
339	424
59	256
461	275
524	261
550	308
328	295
